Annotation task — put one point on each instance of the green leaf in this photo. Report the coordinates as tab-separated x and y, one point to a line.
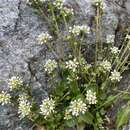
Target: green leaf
99	118
70	123
110	100
123	117
74	88
60	88
95	127
128	75
104	85
87	118
126	97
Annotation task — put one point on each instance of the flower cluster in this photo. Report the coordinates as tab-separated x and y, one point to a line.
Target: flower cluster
67	11
110	38
99	3
115	76
77	107
58	4
128	37
105	66
24	108
47	107
31	1
23	96
67	115
4	98
72	77
84	65
15	82
50	65
115	50
44	38
72	65
91	97
77	29
44	0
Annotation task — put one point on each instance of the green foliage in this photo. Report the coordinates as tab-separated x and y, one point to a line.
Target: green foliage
86	118
123	117
110	100
70	123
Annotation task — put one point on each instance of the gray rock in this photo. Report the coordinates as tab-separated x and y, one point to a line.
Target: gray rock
20	54
19	27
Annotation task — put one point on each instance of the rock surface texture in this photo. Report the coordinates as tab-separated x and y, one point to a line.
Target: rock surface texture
20	54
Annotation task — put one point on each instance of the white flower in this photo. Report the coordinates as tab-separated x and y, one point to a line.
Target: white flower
77	107
114	50
72	77
50	65
85	28
115	76
23	97
58	4
85	66
103	6
44	38
28	1
91	97
110	38
76	30
67	115
15	82
99	3
24	108
47	107
128	37
105	65
4	98
72	65
44	0
67	11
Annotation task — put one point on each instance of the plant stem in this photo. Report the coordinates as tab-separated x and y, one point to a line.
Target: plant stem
54	18
80	126
60	45
100	42
120	62
42	12
123	62
124	68
52	50
66	25
98	36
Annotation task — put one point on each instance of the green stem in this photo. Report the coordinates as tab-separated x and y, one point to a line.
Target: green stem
52	50
119	63
54	18
42	12
123	62
80	127
66	25
124	68
60	45
125	50
97	34
122	47
100	41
